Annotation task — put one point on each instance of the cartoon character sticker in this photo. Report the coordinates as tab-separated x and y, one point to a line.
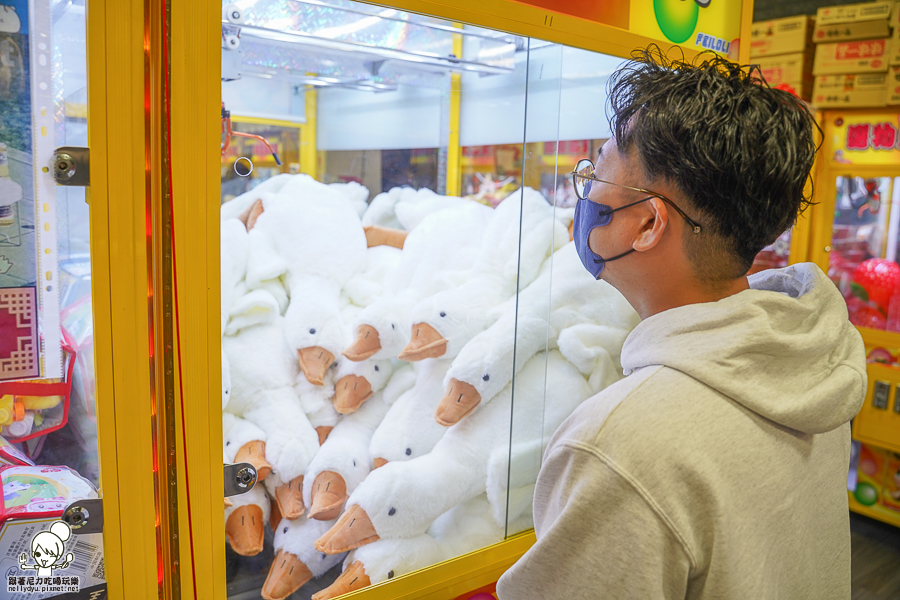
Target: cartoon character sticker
11	490
47	549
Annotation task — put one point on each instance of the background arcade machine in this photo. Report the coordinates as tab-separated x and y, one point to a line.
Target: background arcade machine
853	235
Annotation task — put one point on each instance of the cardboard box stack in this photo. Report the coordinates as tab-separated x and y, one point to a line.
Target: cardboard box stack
783	50
893	76
853	51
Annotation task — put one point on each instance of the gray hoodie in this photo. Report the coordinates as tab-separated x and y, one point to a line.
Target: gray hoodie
718	467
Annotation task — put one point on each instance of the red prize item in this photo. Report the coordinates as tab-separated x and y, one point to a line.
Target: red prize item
863	314
880	278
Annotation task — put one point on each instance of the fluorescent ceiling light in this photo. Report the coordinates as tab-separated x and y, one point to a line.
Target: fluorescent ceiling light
307	39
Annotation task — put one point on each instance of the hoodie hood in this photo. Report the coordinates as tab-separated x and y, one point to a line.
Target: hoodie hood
783	349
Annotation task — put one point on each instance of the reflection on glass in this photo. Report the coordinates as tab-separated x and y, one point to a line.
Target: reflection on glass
775	255
866	276
370	321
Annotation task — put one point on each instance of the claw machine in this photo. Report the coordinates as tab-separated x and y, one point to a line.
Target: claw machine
854	232
369	233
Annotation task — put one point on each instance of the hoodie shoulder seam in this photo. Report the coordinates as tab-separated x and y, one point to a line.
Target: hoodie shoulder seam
639	489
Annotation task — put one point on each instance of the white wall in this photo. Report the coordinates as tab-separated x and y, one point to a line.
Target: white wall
566	97
409	117
256	96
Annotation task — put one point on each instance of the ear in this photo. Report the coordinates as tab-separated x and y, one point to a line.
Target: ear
654	221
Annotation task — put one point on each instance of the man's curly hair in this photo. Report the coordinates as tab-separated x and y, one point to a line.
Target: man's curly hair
739	151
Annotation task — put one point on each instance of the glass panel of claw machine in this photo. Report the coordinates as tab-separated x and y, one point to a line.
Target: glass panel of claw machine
392	393
347	294
48	439
569	327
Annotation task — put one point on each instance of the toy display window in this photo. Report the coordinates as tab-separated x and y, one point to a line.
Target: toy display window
421	125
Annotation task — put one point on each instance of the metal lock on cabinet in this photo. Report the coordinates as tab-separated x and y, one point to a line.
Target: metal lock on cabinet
72	166
85	516
239	478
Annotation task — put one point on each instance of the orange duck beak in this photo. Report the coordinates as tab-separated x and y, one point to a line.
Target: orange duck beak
353	578
350	392
314	362
426	342
249	216
286	576
376	235
289	497
245	529
459	400
366	344
379	462
352	530
329	492
255	453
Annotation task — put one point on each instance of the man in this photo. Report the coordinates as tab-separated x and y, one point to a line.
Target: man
717	468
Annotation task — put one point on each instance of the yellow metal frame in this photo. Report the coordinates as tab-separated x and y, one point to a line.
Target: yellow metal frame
195	85
195	158
454	152
119	268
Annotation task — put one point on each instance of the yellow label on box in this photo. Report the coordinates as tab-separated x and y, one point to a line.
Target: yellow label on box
781	69
863	30
850	90
865	56
780	36
850	13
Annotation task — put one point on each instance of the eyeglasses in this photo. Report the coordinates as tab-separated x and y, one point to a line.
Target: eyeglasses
583	175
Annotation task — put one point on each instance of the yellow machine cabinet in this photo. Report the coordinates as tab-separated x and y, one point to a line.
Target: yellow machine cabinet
854	234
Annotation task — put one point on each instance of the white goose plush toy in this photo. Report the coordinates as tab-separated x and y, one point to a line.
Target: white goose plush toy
408	429
296	560
343	461
235	248
436	255
263	372
245	442
402	499
444	322
318	234
463	529
566	293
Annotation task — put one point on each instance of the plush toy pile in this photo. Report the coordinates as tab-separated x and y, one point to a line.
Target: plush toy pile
370	355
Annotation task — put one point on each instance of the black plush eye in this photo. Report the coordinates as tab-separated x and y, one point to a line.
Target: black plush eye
443	314
391	512
408	451
390	574
284	530
392	326
376	368
324	556
485	377
312	330
354	463
227	443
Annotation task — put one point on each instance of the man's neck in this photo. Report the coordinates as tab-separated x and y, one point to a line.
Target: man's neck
649	302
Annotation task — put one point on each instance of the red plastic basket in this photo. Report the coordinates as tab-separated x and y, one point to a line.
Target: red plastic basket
33	388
